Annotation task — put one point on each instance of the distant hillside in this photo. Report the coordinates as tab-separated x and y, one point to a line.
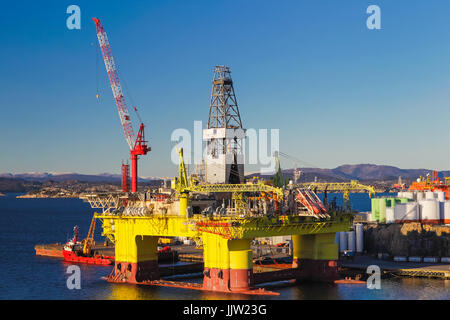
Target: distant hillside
358	172
45	176
18	185
26	182
363	172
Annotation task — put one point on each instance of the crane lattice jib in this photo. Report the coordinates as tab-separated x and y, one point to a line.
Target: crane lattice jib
353	185
115	83
257	187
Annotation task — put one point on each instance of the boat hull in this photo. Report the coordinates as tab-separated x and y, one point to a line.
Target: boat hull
71	256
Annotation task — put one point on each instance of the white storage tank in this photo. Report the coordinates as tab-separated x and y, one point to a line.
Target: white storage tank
408	194
420	196
440	195
406	212
359	230
399	212
445	216
429	195
390	218
342	241
429	211
412	212
400	194
351	241
441	211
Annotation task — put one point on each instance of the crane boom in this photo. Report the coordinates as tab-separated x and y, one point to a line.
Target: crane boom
115	83
138	145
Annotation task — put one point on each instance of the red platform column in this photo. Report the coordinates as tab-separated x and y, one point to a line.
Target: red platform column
134	173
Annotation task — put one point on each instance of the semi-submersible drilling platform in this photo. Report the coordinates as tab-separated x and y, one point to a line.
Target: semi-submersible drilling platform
223	212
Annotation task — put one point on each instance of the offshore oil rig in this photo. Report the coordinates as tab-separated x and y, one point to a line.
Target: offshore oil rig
219	209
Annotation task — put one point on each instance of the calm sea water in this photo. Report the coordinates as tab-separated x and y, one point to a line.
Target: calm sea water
26	222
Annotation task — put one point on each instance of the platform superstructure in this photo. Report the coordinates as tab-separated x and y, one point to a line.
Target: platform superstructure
225	227
222	211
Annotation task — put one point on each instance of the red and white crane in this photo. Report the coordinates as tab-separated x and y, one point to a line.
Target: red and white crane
138	145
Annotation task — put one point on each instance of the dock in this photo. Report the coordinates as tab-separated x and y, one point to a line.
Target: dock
411	269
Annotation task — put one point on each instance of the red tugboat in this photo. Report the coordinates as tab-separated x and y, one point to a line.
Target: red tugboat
77	251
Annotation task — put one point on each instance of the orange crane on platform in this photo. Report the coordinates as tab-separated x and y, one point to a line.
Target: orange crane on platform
435	184
138	145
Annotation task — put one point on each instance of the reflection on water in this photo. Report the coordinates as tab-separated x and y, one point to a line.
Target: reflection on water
25	222
131	292
391	289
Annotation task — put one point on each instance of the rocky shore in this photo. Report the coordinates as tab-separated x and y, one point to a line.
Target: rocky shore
408	239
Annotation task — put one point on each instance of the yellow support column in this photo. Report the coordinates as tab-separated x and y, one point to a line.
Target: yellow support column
136	255
241	265
228	264
184	203
216	259
315	256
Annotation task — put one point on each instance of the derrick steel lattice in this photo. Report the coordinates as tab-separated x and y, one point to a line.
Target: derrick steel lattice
223	110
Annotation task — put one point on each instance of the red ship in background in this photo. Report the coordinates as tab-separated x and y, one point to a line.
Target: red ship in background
435	184
81	251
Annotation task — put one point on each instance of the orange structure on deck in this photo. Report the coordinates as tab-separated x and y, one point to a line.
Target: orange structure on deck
435	184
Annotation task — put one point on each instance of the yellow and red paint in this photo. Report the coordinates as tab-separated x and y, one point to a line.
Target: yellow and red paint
228	265
136	259
315	257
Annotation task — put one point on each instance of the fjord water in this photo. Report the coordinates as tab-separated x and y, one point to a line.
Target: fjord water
26	222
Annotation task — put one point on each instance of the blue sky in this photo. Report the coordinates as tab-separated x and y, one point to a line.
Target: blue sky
338	92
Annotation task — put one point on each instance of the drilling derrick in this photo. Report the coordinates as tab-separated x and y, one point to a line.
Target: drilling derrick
224	134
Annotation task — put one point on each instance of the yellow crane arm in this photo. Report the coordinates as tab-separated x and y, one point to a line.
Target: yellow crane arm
90	237
353	185
257	187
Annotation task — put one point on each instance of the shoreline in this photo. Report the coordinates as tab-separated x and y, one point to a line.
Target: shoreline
40	196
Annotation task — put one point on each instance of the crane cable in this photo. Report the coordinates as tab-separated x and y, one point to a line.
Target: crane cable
97	52
128	92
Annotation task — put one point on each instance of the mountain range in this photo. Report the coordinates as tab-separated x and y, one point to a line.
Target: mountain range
362	172
46	176
342	173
